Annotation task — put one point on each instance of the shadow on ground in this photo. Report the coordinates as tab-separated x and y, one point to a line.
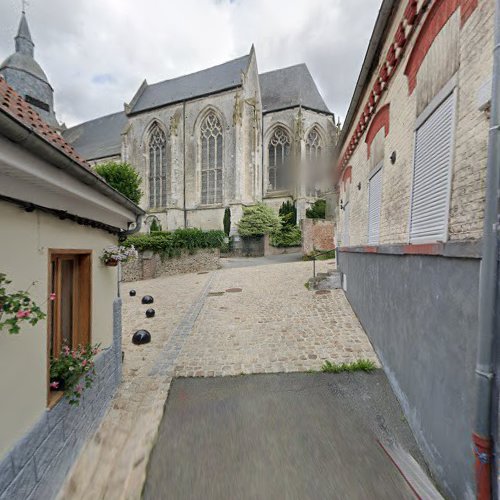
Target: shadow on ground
283	436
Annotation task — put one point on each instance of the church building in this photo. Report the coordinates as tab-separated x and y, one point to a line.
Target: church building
222	137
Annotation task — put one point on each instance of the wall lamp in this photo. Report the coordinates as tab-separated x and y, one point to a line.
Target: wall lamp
359	186
393	157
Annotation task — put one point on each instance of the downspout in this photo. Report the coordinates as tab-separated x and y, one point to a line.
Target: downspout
184	160
488	289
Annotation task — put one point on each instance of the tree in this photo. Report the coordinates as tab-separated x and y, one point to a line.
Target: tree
123	177
259	220
288	213
227	221
317	210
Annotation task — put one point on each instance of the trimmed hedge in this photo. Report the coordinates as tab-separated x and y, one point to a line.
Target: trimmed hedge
289	236
171	244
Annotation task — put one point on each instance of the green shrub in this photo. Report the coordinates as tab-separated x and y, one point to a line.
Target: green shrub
227	221
258	220
317	210
364	365
171	244
123	177
288	213
289	236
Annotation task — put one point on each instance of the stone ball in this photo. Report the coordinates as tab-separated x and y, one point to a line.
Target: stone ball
147	299
132	293
141	337
150	313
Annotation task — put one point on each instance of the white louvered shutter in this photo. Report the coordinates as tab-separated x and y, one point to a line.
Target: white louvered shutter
345	243
431	175
374	205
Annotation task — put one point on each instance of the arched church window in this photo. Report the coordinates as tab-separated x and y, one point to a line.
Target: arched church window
313	158
211	160
279	159
157	167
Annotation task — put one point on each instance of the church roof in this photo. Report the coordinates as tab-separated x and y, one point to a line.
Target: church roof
290	87
208	81
98	138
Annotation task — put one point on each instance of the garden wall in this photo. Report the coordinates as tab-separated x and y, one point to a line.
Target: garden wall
317	234
150	265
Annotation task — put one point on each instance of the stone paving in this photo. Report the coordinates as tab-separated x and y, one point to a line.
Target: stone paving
267	322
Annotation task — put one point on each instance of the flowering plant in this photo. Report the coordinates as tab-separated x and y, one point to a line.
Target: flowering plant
115	254
73	371
16	307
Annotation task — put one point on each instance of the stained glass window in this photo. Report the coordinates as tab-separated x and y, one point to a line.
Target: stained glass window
157	168
211	160
279	159
313	157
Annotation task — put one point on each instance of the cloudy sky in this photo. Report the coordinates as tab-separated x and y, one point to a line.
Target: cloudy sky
97	52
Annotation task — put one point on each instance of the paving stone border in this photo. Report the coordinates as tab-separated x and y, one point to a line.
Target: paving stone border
38	464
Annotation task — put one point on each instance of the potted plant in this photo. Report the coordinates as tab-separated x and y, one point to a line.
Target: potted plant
73	371
114	254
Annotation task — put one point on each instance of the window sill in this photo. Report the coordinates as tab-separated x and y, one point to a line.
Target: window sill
277	194
54	398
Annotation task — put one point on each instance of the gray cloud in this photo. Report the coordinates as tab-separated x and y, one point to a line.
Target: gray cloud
97	52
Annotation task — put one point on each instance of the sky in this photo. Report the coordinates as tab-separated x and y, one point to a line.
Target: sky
96	53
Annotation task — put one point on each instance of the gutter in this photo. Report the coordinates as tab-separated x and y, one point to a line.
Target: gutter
486	401
31	141
374	47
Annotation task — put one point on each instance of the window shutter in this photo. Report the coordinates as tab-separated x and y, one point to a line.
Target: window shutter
345	243
431	175
374	205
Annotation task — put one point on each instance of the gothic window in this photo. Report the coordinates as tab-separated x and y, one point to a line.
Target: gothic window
279	159
313	158
157	168
211	160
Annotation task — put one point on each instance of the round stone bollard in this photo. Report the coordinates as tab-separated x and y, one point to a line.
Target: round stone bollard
132	293
141	337
147	299
150	313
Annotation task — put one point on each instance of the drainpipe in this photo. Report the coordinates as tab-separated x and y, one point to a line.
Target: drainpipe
488	289
184	160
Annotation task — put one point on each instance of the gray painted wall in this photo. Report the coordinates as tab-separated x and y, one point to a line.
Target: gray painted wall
38	464
420	313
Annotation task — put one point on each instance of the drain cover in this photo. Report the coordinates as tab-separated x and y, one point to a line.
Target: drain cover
234	290
215	294
322	292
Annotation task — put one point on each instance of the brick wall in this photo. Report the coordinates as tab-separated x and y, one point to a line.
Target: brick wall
474	23
38	464
317	235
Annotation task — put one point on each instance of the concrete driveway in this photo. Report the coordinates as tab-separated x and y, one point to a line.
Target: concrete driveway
280	436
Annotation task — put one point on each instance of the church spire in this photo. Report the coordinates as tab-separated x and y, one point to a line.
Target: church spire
24	43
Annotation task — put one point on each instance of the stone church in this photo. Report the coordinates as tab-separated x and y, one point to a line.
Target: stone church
225	136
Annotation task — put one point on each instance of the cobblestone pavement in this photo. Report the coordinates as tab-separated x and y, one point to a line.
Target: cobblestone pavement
274	324
258	319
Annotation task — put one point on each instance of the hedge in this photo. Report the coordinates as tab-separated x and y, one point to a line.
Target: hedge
171	244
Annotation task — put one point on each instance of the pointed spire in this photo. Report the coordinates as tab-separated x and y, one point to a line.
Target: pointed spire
24	43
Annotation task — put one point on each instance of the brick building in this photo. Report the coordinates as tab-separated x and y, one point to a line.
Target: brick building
411	184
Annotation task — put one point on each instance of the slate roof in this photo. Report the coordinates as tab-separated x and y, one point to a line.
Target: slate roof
290	87
98	138
215	79
12	104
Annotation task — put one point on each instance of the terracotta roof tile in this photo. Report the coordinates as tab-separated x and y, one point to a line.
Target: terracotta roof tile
14	105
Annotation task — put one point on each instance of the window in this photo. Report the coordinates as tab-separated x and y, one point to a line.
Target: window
432	174
69	313
279	158
374	205
345	237
157	168
313	157
211	160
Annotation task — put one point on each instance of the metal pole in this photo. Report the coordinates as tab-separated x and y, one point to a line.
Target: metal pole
488	289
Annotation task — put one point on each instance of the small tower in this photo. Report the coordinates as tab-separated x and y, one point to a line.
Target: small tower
26	77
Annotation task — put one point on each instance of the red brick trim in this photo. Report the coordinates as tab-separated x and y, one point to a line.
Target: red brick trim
381	119
347	176
424	249
466	9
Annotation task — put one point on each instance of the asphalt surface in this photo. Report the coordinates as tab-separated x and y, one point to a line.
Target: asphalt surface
284	436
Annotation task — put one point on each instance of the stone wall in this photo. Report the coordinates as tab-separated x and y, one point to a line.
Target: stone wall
38	464
149	265
317	234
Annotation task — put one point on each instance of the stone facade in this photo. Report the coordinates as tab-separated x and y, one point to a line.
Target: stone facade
38	464
149	265
317	235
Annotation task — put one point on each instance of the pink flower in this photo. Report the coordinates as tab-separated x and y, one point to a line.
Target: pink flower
66	349
54	385
79	388
23	314
84	362
52	296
